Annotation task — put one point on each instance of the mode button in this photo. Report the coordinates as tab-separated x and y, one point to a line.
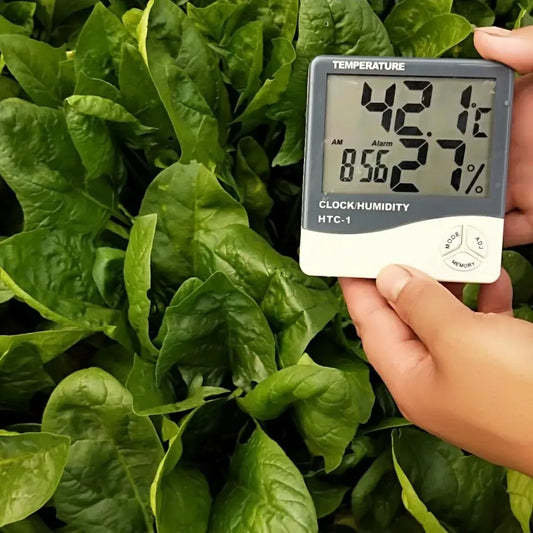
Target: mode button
452	241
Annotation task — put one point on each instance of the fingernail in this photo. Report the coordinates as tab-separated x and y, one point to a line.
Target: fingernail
495	31
391	281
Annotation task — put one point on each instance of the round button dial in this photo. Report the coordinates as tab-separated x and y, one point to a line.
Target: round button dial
464	248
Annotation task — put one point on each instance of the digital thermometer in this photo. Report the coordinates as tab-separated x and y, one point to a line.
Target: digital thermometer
406	162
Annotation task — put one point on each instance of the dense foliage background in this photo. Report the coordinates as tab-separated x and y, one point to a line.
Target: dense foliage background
164	364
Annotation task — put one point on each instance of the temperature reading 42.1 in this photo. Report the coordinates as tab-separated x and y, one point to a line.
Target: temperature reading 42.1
425	136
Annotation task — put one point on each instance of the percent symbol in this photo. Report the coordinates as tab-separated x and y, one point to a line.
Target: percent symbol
471	168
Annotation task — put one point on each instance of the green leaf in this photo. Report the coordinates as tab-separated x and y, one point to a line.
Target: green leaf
186	74
63	292
361	497
277	73
9	88
31	465
520	489
137	276
297	306
21	376
36	66
187	199
243	54
414	504
329	405
49	343
521	272
8	28
436	36
20	13
40	163
180	497
113	457
140	95
148	395
64	8
463	492
252	169
264	487
407	17
475	11
327	497
99	49
108	271
325	27
217	328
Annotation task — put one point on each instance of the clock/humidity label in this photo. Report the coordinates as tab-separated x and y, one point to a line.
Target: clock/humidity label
399	151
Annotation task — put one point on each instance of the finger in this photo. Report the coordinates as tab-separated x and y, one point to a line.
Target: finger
390	345
431	311
514	48
517	230
497	297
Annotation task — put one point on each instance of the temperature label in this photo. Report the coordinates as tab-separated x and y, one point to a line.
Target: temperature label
408	136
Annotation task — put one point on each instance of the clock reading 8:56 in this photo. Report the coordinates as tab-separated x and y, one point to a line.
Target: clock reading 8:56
427	136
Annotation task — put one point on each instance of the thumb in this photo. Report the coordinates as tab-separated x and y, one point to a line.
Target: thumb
435	315
512	47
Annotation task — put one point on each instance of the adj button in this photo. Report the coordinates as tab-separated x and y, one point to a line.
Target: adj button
476	242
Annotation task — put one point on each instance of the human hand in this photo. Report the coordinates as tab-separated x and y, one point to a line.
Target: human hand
515	48
466	377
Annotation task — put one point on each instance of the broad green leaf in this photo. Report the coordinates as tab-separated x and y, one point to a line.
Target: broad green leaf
524	312
96	87
520	489
217	19
325	27
5	293
521	272
31	465
436	36
49	343
115	360
137	276
8	28
218	328
20	13
40	163
327	497
277	73
99	48
328	405
180	497
32	524
279	17
407	17
113	457
64	292
9	88
147	394
264	489
414	504
463	492
21	376
140	95
252	169
36	66
108	271
187	77
131	20
64	8
367	484
187	199
243	55
475	11
297	306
